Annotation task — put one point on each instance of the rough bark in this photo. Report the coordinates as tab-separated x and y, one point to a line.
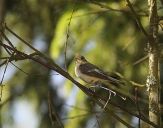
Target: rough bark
153	78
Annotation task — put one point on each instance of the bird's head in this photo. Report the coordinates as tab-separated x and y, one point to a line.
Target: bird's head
80	59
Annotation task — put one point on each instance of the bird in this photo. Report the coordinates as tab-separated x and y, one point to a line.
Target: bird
92	74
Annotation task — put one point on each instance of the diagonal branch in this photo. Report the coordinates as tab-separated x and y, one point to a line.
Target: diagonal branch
107	7
137	18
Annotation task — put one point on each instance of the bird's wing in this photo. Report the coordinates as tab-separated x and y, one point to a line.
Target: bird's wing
94	71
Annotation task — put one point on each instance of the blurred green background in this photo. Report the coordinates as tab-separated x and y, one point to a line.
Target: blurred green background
108	38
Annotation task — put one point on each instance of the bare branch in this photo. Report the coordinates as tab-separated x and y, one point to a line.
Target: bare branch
137	18
107	7
140	60
67	37
54	117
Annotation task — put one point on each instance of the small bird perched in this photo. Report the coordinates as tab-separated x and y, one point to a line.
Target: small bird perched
91	74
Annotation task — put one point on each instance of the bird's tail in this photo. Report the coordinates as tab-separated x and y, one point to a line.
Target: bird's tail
119	80
116	80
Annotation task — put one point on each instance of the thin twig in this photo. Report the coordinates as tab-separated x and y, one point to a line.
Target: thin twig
19	68
140	60
54	117
98	122
95	113
7	50
137	105
3	79
9	42
107	7
78	108
74	117
67	36
20	38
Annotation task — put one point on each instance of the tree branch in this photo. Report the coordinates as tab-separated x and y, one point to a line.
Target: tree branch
153	78
137	18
